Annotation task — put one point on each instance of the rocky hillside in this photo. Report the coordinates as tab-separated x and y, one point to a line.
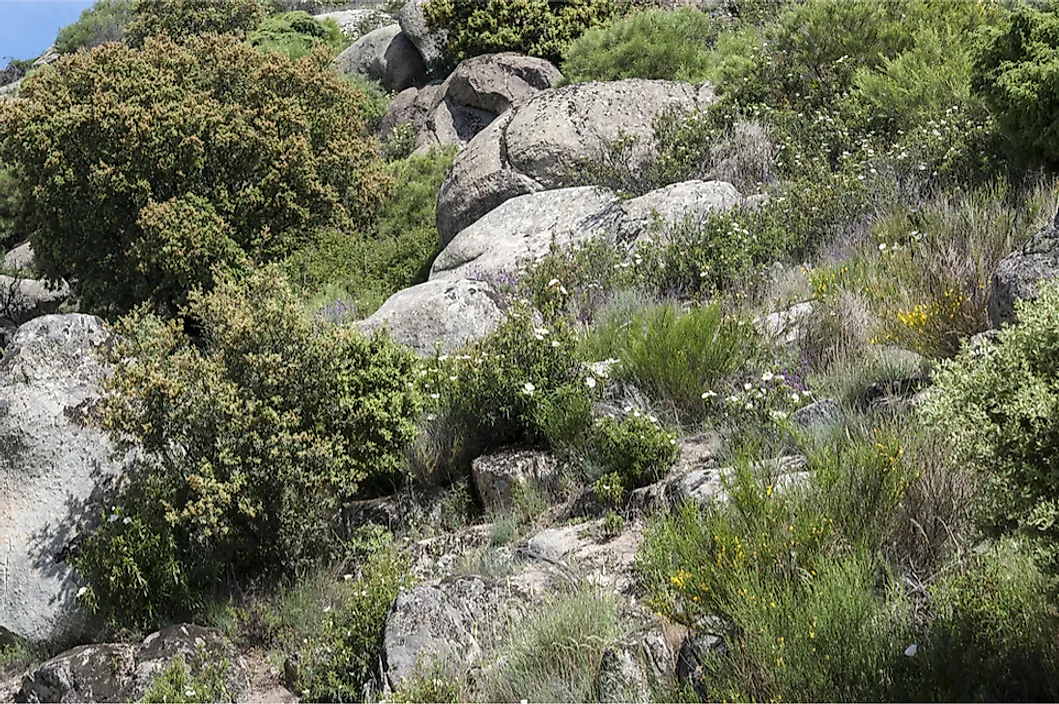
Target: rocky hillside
524	351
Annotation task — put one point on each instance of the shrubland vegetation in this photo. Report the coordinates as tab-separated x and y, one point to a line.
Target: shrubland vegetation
297	34
184	19
534	27
104	22
206	178
252	436
898	151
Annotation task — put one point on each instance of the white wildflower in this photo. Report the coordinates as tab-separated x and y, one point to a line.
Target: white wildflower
590	382
528	388
767	377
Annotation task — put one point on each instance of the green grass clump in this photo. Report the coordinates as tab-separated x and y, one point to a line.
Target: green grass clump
654	44
554	656
297	34
672	355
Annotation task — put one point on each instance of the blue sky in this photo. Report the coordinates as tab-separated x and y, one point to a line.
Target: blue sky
28	27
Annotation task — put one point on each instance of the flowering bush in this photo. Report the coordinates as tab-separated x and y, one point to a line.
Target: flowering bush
183	19
520	384
767	400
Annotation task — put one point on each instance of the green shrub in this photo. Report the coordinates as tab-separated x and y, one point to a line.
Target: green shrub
336	665
675	357
238	154
184	19
999	413
535	27
201	680
990	634
810	54
297	34
433	685
134	564
922	82
575	282
555	654
396	253
511	387
609	489
636	451
9	207
375	103
103	22
1017	74
656	44
251	436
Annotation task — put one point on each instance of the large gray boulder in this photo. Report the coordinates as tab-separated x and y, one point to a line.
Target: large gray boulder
429	42
117	672
49	56
691	200
471	97
480	180
24	299
53	467
10	91
523	229
1019	273
549	135
20	258
384	55
497	82
448	624
501	475
443	313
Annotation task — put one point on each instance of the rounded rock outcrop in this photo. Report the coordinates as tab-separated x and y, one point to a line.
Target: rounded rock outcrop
384	55
443	315
53	468
541	141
